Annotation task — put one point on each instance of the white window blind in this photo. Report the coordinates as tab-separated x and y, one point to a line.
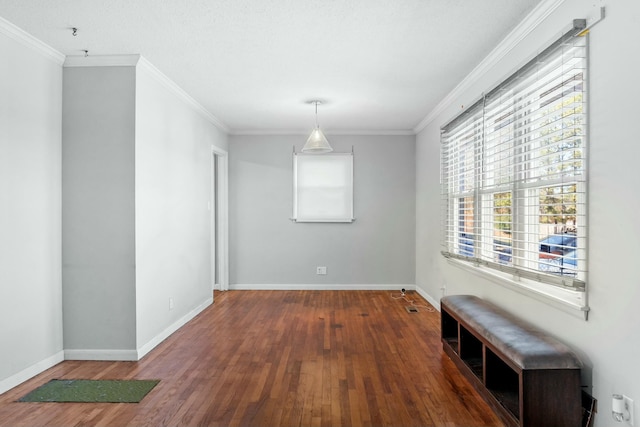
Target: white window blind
513	171
323	187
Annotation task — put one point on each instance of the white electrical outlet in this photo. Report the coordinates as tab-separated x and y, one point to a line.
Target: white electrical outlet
321	270
170	303
628	406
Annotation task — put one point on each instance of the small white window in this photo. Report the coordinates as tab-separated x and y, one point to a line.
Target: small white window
323	187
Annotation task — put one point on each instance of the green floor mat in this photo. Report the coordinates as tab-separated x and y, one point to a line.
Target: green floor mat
112	391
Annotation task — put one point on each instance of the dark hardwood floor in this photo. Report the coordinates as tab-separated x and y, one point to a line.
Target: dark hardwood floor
281	358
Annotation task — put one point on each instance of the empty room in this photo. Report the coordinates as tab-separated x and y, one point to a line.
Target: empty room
319	213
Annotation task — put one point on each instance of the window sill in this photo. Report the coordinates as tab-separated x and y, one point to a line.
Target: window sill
567	300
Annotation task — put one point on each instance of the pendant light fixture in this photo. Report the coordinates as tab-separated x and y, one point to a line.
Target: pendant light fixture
317	143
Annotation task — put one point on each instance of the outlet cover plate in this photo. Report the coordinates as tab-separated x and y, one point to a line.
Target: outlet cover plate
628	405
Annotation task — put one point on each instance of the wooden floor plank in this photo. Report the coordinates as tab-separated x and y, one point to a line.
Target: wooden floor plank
281	358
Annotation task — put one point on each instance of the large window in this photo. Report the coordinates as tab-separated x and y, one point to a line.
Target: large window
514	172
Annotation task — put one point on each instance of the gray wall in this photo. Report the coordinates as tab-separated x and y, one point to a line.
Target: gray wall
267	248
30	278
609	342
98	208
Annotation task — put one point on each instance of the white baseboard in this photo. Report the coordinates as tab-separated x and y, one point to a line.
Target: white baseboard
432	301
30	372
320	287
101	354
135	355
142	351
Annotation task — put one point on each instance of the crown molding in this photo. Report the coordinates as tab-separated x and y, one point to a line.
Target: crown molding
180	93
142	63
102	61
334	132
26	39
530	23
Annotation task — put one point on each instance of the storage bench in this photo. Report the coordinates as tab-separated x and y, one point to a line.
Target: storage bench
529	378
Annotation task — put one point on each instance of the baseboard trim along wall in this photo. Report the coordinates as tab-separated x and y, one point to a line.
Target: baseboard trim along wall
423	294
101	354
135	355
320	287
30	372
142	351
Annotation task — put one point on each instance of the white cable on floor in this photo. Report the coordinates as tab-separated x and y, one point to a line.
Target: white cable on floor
403	296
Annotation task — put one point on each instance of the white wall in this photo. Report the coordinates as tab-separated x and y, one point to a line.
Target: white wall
609	342
173	222
267	249
30	185
98	272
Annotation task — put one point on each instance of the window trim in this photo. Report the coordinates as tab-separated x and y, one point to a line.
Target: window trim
570	301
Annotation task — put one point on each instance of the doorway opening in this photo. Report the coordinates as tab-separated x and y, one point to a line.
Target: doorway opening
218	206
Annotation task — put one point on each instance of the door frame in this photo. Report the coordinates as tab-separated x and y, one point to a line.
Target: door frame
219	222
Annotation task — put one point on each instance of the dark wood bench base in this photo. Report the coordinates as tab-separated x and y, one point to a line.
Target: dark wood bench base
527	377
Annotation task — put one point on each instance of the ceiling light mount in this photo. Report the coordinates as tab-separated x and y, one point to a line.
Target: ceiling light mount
316	143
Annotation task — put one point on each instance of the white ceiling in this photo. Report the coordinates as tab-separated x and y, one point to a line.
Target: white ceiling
379	65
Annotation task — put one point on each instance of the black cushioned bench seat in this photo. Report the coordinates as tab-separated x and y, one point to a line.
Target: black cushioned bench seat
528	377
519	341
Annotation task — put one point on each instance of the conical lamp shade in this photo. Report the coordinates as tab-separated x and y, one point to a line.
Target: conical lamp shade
317	143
